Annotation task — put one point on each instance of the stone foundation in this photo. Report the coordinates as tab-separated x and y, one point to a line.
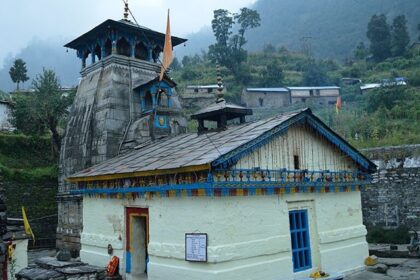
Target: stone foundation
50	269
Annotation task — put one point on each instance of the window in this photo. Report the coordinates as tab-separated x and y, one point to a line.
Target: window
296	162
299	232
148	101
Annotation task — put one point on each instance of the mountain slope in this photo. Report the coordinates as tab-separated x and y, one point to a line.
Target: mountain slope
335	26
39	54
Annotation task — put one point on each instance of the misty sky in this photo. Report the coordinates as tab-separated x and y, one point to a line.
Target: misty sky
23	20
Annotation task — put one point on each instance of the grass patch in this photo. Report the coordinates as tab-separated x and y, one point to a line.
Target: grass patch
388	236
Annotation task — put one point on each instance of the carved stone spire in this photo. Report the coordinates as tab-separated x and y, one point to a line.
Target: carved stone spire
220	94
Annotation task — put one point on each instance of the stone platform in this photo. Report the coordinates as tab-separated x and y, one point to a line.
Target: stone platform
49	268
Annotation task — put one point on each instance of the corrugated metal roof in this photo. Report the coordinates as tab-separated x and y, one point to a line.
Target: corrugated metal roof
280	90
309	88
204	87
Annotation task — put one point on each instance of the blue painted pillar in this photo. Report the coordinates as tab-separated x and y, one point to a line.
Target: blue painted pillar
114	37
92	55
149	52
81	55
114	47
103	50
133	47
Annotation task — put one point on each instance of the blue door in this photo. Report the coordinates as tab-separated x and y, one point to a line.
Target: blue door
301	247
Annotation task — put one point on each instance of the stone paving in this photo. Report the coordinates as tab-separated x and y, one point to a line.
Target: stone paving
392	268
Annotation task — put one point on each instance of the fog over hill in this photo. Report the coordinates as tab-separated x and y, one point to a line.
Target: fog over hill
39	54
332	29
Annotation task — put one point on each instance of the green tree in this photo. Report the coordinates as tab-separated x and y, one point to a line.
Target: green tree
399	36
272	75
229	48
44	109
379	35
175	65
315	75
361	52
18	72
418	29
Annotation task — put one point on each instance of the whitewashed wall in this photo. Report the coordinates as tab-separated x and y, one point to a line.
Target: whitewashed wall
20	257
248	236
4	117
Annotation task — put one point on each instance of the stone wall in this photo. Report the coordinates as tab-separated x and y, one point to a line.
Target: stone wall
394	197
105	120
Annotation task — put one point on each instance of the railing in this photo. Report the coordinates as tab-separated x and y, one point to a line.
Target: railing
292	176
245	182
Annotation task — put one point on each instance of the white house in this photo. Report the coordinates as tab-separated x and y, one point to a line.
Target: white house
272	199
5	108
322	95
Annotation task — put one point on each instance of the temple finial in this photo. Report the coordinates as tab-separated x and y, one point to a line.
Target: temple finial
126	10
220	94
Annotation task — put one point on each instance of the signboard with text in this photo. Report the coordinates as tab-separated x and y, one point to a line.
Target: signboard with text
196	247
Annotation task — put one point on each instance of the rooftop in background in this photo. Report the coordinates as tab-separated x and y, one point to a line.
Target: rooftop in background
277	90
309	88
203	87
5	97
213	111
110	25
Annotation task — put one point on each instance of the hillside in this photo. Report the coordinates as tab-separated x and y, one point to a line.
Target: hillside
388	116
28	173
335	26
39	54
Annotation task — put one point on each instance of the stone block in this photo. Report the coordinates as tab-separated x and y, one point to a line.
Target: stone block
378	268
39	274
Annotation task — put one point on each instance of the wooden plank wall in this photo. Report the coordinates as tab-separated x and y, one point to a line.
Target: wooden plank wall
314	151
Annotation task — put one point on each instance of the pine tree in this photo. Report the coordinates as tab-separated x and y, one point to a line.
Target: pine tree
399	36
379	35
361	51
18	72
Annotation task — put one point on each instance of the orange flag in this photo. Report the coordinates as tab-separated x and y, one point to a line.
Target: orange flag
167	50
338	104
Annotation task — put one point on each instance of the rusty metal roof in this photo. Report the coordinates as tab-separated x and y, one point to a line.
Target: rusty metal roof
201	151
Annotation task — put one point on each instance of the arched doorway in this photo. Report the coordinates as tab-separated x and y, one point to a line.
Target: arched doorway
123	47
141	52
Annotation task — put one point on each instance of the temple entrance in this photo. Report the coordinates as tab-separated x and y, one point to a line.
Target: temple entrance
137	240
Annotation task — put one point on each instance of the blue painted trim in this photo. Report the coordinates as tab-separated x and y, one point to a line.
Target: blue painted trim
127	262
300	240
350	151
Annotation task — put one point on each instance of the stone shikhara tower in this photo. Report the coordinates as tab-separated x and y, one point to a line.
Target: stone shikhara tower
120	104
